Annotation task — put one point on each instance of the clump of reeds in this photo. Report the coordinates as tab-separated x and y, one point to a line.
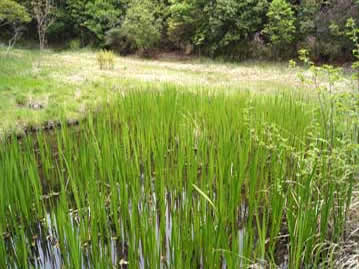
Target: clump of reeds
180	180
106	59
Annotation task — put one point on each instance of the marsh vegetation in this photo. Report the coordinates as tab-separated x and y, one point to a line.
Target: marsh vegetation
201	149
164	177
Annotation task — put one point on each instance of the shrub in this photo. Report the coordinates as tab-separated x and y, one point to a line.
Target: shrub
117	40
21	100
106	59
74	44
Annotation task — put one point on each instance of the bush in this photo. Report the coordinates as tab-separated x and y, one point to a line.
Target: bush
106	59
74	44
117	40
259	49
21	100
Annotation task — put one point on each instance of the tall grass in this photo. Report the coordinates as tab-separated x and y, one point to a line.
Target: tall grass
167	179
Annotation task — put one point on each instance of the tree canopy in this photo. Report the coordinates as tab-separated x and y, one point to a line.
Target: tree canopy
234	29
12	12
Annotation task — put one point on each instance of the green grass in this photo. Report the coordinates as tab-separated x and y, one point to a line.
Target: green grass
29	96
181	179
70	83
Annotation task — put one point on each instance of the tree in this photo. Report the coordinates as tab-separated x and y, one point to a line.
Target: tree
307	11
281	24
183	21
234	22
330	20
141	25
218	26
12	13
14	16
102	16
43	11
93	18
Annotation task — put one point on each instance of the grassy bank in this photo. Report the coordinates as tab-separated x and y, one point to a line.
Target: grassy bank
164	178
39	89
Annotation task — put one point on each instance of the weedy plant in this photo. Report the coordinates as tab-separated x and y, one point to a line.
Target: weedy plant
334	103
353	33
333	95
106	59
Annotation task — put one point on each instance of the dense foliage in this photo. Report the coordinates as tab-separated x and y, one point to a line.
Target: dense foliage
280	27
12	12
234	29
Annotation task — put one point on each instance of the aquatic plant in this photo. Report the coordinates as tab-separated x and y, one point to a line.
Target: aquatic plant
175	179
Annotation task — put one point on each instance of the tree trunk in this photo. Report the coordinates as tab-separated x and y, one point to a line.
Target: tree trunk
42	38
